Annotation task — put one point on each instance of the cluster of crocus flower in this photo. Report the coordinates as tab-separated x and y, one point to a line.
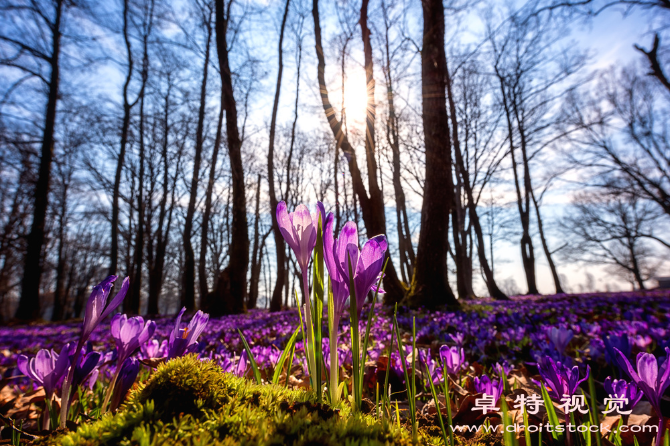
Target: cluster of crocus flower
345	262
76	363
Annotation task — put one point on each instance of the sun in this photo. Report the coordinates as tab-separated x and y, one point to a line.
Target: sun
355	96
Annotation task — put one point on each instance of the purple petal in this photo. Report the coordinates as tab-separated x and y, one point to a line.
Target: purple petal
647	369
117	299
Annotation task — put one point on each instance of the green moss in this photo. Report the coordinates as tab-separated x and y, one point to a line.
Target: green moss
192	402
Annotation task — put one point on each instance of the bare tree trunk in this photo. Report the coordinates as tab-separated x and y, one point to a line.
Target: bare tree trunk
527	251
59	292
204	231
489	279
231	298
132	302
275	303
372	207
29	304
188	276
430	284
255	256
545	246
127	107
405	248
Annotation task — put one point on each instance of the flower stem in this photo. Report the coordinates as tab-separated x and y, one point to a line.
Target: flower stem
110	390
334	363
310	332
65	401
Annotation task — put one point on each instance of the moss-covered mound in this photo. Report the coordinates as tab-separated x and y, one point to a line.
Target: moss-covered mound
192	402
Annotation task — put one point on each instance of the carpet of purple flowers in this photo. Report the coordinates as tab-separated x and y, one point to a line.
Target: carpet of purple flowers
526	338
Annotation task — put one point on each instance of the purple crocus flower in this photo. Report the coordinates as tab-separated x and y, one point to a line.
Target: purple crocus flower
154	349
184	340
651	379
620	388
89	362
613	343
489	387
127	376
47	368
559	379
332	249
453	358
365	263
560	337
130	333
299	231
96	311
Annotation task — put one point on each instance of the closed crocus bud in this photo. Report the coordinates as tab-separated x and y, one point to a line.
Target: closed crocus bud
129	371
299	230
560	337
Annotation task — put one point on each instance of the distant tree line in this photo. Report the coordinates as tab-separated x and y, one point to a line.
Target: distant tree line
154	139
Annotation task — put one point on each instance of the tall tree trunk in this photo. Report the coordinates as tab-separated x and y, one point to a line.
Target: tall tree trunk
59	292
526	242
188	274
29	304
256	255
280	248
405	248
545	246
430	284
127	107
204	231
372	207
231	299
489	279
132	301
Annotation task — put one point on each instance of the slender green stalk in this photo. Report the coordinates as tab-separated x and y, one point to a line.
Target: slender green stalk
317	317
282	359
310	331
333	328
305	347
437	405
386	378
526	432
447	400
355	340
110	390
410	388
252	358
593	413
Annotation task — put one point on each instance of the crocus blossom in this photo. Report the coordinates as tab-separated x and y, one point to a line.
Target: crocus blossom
331	246
453	358
88	363
154	349
559	379
96	311
47	368
489	387
560	337
620	388
183	340
650	378
130	333
299	231
366	263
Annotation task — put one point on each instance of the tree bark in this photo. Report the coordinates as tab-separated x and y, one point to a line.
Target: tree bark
188	275
545	246
255	256
280	247
231	298
29	304
489	279
372	207
204	231
430	284
59	292
127	107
